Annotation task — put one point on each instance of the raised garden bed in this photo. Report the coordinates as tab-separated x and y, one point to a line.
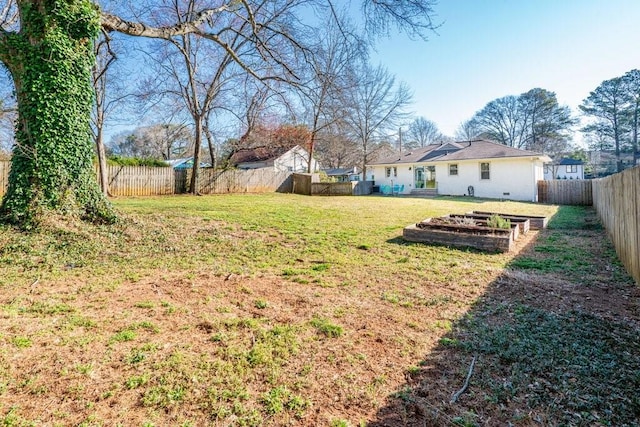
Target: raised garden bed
536	222
483	223
448	231
524	224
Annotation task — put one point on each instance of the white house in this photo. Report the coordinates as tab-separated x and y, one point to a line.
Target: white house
479	167
344	174
281	159
564	169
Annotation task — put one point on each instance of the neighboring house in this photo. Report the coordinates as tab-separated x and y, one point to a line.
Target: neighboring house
344	174
604	163
281	159
564	169
186	163
479	167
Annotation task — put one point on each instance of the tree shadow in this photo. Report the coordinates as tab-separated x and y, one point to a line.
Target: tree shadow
466	199
555	339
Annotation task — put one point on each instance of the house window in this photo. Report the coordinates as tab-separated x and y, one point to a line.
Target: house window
453	169
572	168
390	171
484	171
387	172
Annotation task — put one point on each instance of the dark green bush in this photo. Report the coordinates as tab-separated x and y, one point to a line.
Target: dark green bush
134	161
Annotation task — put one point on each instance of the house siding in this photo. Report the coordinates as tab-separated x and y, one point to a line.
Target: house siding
294	160
404	177
517	177
560	172
514	179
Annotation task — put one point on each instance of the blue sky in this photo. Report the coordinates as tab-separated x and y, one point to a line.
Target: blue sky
487	49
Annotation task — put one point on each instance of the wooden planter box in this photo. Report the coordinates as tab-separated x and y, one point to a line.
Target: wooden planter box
472	236
483	224
536	222
523	223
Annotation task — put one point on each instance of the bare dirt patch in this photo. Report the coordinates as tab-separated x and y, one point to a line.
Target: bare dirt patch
250	313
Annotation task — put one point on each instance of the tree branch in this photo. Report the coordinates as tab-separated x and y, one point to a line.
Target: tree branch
112	22
457	394
99	72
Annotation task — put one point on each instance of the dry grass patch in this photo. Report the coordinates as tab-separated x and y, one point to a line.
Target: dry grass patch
234	310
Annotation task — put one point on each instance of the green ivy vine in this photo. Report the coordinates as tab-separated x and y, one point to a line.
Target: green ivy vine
52	169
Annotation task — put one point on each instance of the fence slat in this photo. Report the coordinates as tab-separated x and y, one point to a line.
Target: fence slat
566	192
616	198
156	181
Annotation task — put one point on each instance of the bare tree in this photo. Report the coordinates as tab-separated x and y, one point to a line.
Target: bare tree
374	105
499	120
199	73
533	120
421	133
411	16
467	131
328	66
335	149
45	179
110	95
105	57
170	140
260	108
164	141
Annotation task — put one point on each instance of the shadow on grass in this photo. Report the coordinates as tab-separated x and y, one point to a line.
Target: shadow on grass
468	199
556	341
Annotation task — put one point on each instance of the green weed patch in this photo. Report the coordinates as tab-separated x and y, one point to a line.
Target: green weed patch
266	310
580	368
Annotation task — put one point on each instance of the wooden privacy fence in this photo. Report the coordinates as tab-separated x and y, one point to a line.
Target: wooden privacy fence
156	181
302	183
352	188
616	198
331	189
123	180
235	181
566	192
310	185
140	180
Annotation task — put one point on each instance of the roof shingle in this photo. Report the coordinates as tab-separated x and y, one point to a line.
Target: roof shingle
258	154
461	150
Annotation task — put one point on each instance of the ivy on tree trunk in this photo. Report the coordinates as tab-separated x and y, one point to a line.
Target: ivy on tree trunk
50	60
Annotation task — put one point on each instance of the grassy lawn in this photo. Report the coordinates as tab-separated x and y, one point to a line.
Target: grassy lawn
288	310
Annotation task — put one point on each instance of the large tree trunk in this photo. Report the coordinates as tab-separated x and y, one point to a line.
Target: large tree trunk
193	185
212	148
50	60
312	144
